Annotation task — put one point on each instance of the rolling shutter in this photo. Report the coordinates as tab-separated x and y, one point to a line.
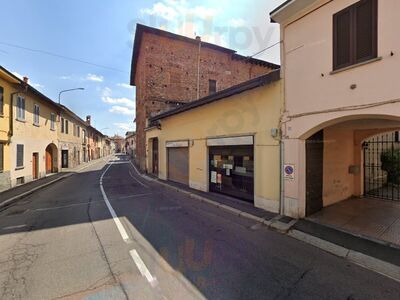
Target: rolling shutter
178	165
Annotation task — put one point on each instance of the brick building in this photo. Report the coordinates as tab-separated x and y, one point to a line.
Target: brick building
169	69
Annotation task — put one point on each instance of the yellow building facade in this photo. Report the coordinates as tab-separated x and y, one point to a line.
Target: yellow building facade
7	89
227	142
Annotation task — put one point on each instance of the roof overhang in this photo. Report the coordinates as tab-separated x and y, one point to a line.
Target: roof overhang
288	9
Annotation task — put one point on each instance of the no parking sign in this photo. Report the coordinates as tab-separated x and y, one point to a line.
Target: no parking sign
288	171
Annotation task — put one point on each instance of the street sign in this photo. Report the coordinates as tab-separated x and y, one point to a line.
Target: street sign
288	172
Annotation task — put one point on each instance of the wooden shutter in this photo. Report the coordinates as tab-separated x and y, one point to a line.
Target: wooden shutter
20	155
365	30
342	39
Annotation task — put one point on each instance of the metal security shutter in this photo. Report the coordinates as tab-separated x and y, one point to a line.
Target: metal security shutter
178	165
314	172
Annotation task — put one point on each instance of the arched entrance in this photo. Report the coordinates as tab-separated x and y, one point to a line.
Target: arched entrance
51	159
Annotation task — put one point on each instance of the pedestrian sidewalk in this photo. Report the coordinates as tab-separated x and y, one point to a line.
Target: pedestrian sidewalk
370	254
14	194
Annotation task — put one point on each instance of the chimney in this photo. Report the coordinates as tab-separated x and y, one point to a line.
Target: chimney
88	120
198	38
26	79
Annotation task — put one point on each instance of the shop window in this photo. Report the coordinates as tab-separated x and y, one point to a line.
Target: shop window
355	34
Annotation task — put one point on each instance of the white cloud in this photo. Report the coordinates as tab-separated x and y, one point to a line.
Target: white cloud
121	101
94	77
122	110
237	22
125	85
125	126
66	77
106	92
170	10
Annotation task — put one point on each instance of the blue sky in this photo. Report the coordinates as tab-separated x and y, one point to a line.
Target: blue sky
101	32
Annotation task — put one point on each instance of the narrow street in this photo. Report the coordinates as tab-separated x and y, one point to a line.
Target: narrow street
62	242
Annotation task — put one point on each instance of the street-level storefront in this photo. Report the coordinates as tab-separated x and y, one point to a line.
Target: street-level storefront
231	167
225	143
178	161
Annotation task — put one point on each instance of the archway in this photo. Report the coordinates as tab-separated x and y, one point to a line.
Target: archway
51	159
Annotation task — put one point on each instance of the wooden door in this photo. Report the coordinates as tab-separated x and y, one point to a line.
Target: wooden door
35	165
155	157
49	161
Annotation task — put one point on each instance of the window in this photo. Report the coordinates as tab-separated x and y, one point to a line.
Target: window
21	108
20	156
1	157
66	126
74	129
355	34
78	131
62	125
1	100
52	121
212	86
36	113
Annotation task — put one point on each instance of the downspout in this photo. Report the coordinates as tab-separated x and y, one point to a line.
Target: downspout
282	181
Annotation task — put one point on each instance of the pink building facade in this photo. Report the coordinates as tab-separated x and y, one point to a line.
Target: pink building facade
340	65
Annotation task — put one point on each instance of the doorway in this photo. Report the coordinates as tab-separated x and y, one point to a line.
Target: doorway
51	159
64	158
178	165
35	165
155	156
314	172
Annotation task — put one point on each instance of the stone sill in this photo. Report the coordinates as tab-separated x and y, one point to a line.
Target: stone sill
356	65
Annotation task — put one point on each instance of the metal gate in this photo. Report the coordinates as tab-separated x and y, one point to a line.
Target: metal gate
178	165
382	166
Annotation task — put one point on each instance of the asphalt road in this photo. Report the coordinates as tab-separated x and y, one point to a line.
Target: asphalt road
139	240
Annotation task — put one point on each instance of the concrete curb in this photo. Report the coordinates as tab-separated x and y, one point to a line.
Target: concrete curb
273	224
368	262
11	200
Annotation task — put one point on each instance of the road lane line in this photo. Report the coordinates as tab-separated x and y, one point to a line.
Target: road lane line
132	196
117	221
142	268
14	227
134	178
66	206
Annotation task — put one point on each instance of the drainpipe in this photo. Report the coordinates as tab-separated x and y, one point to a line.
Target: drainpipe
282	181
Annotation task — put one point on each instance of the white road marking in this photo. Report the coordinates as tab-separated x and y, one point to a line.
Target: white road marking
134	178
142	268
14	227
117	221
137	172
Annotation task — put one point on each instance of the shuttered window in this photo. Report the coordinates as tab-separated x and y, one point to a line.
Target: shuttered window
1	100
1	157
66	126
21	108
355	34
52	121
36	114
20	156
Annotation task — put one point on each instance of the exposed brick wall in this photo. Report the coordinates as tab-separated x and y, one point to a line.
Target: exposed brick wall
167	69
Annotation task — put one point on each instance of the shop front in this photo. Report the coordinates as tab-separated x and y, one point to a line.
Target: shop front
231	166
